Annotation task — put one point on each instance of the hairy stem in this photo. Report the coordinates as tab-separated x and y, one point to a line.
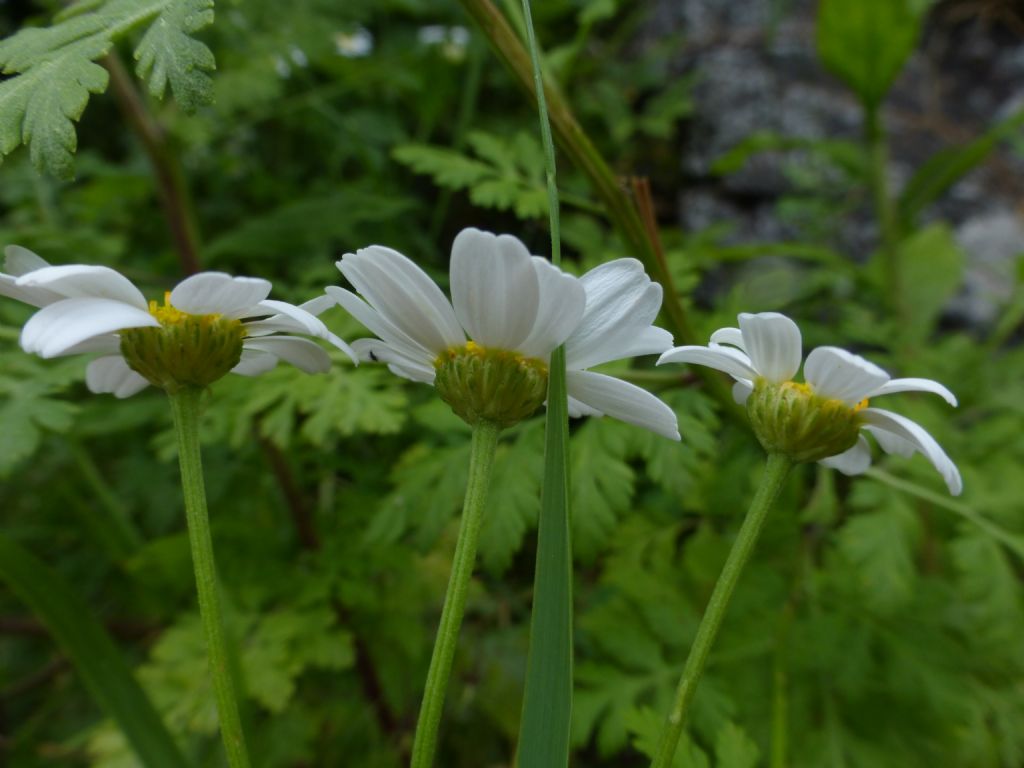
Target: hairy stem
771	483
185	406
170	179
481	459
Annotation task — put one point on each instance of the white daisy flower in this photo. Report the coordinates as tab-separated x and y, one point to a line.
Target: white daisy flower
210	324
515	310
764	354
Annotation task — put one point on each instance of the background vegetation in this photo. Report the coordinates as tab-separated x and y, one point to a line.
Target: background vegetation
880	623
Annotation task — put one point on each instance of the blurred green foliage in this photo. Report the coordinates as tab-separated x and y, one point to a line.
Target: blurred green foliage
879	623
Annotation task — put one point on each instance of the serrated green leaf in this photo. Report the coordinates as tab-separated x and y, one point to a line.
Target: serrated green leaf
991	589
602	482
448	168
645	726
168	54
38	108
512	506
735	749
27	405
54	71
506	174
880	545
430	481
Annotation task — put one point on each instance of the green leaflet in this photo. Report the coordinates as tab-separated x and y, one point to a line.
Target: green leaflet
28	406
55	70
506	174
947	166
97	659
866	43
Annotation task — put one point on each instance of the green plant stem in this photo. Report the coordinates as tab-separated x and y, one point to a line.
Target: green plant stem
1011	540
185	406
481	460
170	178
885	209
777	468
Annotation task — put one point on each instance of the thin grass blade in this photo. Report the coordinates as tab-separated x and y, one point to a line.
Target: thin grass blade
99	662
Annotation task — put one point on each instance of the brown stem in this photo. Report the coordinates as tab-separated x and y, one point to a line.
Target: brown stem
33	680
170	180
584	155
123	628
295	501
373	690
644	200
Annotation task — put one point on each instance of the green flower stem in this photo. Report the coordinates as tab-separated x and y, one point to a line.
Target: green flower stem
481	460
185	404
771	483
885	211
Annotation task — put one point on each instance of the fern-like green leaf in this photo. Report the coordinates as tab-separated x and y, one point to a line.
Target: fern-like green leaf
27	407
506	174
880	546
168	54
54	71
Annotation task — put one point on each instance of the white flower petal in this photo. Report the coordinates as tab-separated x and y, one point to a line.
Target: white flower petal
891	443
915	385
732	336
377	351
494	288
855	461
255	362
578	410
405	295
772	341
37	297
560	304
725	359
108	344
381	326
302	353
76	281
60	326
837	374
911	432
111	375
622	302
622	400
650	341
741	390
292	319
20	261
319	305
215	293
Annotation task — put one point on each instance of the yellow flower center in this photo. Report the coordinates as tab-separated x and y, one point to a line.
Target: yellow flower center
790	418
496	385
186	350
